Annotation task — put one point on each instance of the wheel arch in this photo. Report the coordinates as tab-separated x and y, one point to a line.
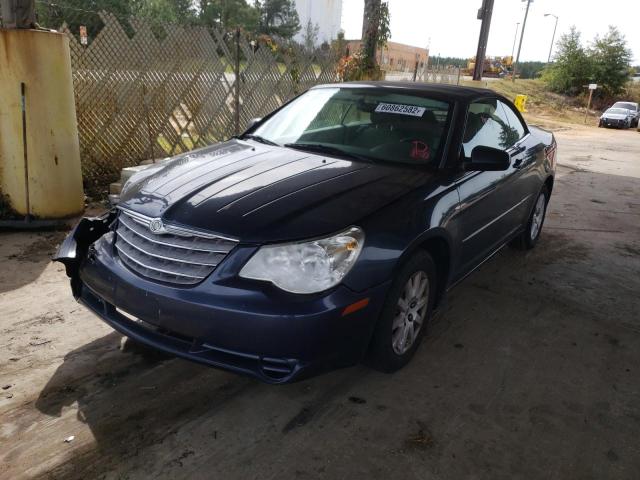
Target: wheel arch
437	242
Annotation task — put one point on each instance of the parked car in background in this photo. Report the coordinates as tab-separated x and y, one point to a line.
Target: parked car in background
616	117
633	107
328	233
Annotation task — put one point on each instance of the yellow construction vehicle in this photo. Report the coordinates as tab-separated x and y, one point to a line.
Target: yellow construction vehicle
494	67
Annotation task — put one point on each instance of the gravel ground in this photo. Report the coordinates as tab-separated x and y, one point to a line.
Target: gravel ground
531	372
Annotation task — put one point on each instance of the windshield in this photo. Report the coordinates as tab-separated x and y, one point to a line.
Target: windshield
627	105
619	111
362	123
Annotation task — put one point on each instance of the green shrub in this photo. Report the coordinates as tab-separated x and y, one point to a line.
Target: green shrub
606	62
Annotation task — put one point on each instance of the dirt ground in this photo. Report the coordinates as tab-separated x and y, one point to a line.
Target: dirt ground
531	372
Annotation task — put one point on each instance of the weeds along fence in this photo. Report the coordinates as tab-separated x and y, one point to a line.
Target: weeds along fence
147	90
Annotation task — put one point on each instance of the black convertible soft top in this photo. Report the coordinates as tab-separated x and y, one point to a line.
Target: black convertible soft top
452	92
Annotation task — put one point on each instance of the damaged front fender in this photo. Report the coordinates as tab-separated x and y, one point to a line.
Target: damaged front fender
75	246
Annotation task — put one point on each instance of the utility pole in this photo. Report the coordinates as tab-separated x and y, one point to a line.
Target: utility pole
515	37
524	24
553	37
484	14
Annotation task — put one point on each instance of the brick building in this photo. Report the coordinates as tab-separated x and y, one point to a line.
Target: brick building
395	56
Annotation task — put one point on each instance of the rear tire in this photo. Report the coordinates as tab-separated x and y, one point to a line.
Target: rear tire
405	314
529	237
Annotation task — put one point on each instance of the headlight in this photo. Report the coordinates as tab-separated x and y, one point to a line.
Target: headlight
306	267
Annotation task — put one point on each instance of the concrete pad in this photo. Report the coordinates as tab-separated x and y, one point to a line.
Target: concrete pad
530	373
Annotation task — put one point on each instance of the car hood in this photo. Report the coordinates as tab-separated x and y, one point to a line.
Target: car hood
259	193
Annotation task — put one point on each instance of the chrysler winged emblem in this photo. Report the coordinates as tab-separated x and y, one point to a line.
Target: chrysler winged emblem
156	226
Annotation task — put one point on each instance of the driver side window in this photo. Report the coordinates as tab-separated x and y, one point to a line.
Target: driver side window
488	125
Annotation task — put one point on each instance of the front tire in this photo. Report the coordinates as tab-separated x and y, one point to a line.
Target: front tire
405	314
529	237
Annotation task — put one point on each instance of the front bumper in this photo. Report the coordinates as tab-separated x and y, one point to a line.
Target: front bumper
243	326
613	122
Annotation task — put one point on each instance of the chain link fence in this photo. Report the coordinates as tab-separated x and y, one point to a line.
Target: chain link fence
146	89
426	74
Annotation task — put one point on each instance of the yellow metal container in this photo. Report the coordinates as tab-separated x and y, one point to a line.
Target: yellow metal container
521	102
46	182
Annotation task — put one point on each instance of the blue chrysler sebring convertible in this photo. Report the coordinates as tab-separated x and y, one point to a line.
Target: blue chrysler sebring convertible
327	234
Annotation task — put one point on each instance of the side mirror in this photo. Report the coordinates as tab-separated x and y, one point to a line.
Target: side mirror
253	122
488	159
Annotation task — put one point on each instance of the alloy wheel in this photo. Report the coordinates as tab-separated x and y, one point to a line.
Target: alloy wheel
410	312
538	216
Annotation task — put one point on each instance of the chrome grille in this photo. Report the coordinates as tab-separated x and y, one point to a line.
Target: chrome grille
176	255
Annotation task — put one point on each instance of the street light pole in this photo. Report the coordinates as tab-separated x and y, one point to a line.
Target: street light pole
553	37
524	24
515	37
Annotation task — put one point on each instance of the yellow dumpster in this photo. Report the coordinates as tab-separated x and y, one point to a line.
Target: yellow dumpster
40	172
520	102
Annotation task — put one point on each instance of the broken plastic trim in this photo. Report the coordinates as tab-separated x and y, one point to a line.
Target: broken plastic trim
75	247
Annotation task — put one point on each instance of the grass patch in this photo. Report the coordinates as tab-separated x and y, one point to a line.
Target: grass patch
553	110
543	107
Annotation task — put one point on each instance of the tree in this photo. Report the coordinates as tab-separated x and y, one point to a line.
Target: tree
278	18
82	12
530	69
310	37
453	61
183	8
362	65
167	11
229	14
375	28
611	61
571	68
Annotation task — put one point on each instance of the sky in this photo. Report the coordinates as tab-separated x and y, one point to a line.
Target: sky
450	27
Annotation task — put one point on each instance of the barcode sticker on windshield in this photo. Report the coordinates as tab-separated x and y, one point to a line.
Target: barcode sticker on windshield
400	109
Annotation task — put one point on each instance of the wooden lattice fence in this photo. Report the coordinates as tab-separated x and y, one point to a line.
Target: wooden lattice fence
147	92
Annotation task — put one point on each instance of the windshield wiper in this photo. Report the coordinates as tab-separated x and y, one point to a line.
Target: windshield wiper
320	148
258	138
